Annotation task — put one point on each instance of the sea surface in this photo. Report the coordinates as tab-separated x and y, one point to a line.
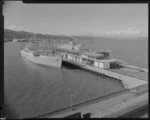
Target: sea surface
132	51
31	89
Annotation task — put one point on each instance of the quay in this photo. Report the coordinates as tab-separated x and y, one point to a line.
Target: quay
115	105
128	81
133	97
135	68
112	106
99	62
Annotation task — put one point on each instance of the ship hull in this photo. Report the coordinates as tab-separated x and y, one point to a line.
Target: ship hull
50	61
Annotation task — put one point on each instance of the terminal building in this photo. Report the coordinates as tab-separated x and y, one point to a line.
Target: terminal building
99	59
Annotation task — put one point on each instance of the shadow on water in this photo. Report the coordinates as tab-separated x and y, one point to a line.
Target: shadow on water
69	65
76	67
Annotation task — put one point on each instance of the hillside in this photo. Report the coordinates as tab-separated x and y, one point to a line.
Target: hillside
9	35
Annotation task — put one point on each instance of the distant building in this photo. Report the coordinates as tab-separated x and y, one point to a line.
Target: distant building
71	46
100	59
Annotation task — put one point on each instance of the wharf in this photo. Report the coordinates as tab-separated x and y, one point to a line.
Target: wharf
133	73
134	97
135	68
112	107
128	81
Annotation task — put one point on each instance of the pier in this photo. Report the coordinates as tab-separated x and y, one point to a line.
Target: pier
128	81
110	106
132	98
115	105
135	68
99	62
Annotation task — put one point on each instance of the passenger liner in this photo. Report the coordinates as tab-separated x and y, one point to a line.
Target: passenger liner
46	58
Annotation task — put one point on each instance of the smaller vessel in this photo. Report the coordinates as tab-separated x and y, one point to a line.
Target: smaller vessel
46	57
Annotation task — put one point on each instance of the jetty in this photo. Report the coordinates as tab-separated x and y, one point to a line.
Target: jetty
110	106
128	81
133	97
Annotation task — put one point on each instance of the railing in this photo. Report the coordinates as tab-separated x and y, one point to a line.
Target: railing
134	68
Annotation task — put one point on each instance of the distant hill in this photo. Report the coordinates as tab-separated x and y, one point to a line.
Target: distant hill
9	35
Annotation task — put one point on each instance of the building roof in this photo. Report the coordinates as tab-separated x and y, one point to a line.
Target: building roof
107	60
68	50
102	60
93	54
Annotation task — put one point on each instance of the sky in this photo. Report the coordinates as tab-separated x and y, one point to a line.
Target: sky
77	19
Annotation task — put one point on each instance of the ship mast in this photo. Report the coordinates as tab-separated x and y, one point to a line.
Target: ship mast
91	41
34	38
48	44
48	40
36	43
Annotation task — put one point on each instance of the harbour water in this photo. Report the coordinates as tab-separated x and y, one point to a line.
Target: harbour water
132	51
32	89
